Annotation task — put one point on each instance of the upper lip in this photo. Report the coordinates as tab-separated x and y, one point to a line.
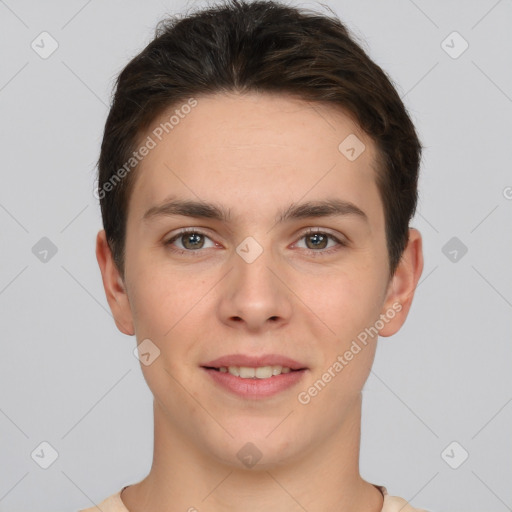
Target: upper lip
254	361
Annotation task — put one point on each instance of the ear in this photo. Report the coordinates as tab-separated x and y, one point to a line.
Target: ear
114	286
403	285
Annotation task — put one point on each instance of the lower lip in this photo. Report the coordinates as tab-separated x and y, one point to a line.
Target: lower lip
256	388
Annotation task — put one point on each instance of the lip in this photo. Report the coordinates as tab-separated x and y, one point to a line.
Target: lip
255	388
255	361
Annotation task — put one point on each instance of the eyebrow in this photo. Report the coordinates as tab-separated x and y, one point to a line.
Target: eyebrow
201	209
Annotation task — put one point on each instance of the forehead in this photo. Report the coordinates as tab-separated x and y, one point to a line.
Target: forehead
253	150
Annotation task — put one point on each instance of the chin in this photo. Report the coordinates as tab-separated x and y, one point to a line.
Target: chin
260	449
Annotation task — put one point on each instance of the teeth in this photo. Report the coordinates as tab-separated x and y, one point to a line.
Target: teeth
277	370
234	370
262	372
246	373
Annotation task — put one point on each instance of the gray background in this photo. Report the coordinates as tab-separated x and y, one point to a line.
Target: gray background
68	377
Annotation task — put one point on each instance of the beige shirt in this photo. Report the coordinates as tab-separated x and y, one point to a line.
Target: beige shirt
391	503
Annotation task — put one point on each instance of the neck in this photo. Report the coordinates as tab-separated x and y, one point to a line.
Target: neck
326	477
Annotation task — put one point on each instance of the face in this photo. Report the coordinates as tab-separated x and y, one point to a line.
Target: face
285	264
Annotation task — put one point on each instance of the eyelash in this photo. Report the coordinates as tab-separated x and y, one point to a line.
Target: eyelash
314	253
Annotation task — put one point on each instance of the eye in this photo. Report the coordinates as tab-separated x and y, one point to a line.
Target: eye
191	240
316	240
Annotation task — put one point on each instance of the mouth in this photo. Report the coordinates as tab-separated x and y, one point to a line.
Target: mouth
255	377
260	372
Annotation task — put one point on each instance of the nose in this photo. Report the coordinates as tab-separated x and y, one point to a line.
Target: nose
254	296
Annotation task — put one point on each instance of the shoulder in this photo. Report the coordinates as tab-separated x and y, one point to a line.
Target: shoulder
111	504
397	504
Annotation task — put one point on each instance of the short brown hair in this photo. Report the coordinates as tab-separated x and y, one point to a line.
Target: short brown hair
264	46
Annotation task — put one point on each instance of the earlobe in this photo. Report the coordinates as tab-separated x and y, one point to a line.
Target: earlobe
114	286
403	285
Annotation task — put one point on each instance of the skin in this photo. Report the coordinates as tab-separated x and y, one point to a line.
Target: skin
256	154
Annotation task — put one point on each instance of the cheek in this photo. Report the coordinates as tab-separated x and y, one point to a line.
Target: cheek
149	299
162	296
164	305
348	305
346	301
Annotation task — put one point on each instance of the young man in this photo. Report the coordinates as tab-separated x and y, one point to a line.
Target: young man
257	177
